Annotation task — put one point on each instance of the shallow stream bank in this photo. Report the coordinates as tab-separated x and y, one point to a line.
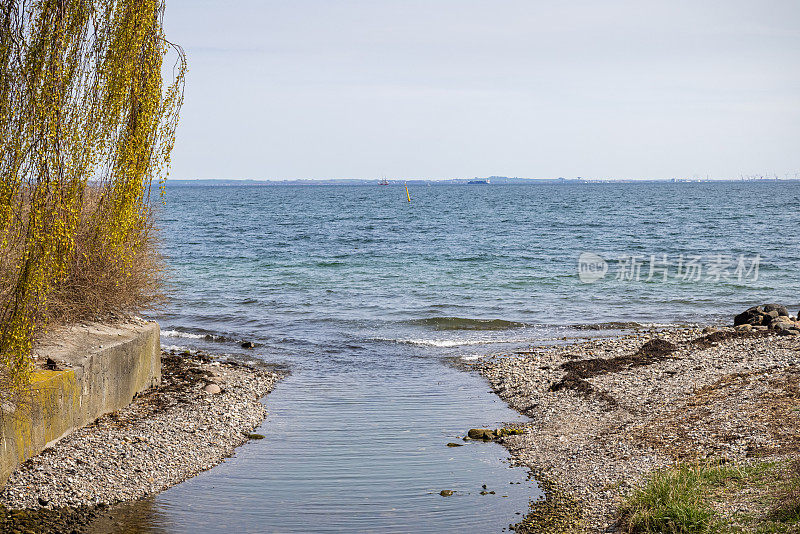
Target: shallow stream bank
201	412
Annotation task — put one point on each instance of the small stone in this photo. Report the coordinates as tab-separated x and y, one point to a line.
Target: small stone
446	493
451	444
247	345
212	388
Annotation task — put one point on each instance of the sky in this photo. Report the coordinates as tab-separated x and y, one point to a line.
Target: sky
319	89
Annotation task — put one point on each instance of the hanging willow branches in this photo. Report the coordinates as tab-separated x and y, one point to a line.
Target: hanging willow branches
86	125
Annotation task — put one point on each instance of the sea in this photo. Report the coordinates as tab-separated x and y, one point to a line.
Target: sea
371	301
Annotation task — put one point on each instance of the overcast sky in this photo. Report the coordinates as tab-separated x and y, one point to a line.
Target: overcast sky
461	88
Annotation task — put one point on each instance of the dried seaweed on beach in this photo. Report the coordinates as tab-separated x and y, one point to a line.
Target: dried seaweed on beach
653	351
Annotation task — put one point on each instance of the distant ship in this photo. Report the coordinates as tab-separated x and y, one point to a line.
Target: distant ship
384	182
479	182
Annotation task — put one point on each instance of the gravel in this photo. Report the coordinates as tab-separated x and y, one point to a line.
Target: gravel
167	435
605	412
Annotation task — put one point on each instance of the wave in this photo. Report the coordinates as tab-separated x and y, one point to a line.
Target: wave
190	335
177	333
464	323
447	343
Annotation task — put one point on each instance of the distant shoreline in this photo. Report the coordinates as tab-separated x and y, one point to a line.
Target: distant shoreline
495	181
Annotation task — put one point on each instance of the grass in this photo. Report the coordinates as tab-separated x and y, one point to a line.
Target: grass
787	506
672	500
716	496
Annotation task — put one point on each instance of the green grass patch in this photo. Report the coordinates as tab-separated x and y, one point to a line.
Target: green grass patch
716	496
786	509
674	500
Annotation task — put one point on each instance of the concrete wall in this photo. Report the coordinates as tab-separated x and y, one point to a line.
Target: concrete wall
100	369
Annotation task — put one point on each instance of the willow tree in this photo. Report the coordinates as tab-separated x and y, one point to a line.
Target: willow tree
87	124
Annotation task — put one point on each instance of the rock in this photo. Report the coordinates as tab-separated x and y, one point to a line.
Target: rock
481	433
212	388
772	314
759	328
446	493
749	316
782	311
782	323
247	345
745	327
783	326
253	436
43	501
779	320
451	444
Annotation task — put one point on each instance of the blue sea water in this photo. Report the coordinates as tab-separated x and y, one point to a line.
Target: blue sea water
365	295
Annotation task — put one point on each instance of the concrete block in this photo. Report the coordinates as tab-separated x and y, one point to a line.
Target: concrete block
100	369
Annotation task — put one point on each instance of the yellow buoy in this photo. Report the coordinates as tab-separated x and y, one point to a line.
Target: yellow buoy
408	194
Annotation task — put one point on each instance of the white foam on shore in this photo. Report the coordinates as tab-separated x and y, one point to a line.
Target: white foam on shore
177	333
471	357
446	343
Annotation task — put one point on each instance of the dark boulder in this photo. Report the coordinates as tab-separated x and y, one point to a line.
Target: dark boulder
751	316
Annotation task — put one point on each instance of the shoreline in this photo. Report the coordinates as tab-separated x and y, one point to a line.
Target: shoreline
606	413
201	413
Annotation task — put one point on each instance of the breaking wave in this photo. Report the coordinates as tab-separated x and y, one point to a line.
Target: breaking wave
464	323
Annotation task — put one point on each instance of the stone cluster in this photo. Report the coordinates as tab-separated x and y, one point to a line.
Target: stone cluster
768	317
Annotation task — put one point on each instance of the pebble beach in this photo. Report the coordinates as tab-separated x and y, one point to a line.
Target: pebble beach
606	412
203	410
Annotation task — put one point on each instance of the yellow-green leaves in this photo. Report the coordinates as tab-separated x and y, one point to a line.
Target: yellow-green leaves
83	112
